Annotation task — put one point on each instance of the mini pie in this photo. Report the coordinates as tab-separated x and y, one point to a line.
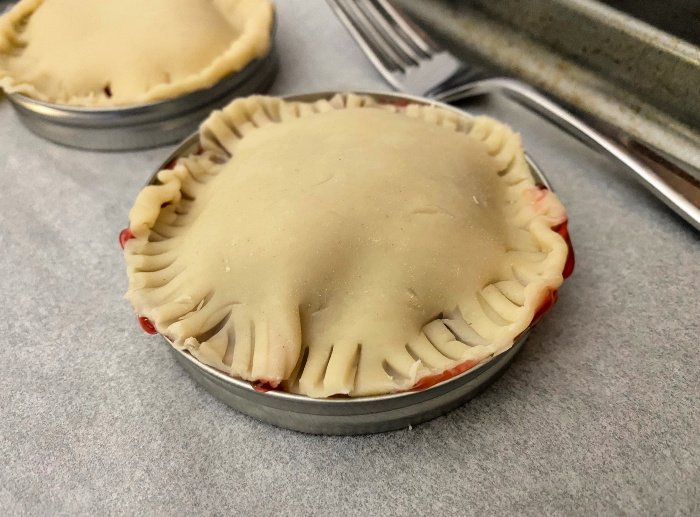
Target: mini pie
345	246
126	52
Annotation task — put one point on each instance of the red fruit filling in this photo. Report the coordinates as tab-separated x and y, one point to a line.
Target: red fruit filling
549	301
432	380
563	230
147	325
124	236
263	386
399	103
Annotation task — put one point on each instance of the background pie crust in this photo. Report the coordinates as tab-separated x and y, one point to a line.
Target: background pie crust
345	246
126	52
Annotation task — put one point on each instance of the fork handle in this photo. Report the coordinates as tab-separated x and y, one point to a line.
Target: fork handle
677	190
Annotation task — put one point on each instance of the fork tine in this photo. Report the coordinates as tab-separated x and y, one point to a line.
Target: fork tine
412	33
391	32
367	38
371	21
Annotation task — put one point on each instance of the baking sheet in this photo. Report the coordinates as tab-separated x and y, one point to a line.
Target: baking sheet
597	415
597	60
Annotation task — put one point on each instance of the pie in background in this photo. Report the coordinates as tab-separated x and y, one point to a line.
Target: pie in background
127	52
345	246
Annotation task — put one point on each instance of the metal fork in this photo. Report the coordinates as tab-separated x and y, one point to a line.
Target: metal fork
411	62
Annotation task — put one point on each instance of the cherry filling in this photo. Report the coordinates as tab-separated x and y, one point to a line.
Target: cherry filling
563	230
263	386
432	380
125	235
549	300
147	325
171	164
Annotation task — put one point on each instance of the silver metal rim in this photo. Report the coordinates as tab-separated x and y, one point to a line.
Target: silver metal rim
345	415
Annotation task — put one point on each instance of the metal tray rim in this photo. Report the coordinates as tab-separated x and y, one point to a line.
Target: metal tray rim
154	109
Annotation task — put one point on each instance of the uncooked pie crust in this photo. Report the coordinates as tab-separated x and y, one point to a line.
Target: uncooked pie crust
344	246
126	52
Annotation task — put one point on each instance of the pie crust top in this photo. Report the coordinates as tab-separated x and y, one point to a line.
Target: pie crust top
345	246
125	52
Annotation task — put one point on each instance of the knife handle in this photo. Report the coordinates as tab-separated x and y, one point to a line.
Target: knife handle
678	190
